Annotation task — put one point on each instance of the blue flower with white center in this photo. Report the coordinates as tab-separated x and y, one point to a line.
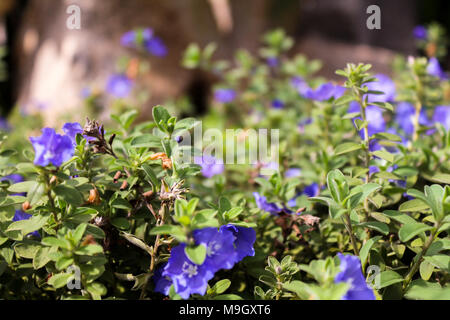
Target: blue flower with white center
434	69
211	166
225	95
442	115
19	216
220	252
420	32
262	204
244	240
351	273
162	283
52	148
119	85
188	278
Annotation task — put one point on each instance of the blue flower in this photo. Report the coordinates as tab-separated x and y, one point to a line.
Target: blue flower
162	283
262	204
385	85
293	173
156	47
376	122
19	216
299	84
351	273
405	112
220	252
13	178
277	104
324	92
211	166
244	240
442	115
4	125
273	62
187	277
225	95
52	148
119	85
420	33
311	190
434	69
145	39
71	130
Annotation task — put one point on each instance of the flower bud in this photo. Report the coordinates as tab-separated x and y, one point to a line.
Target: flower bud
94	196
26	206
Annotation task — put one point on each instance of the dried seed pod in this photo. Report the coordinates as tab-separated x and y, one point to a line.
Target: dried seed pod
157	156
53	179
124	185
117	176
89	239
166	164
94	196
148	194
26	206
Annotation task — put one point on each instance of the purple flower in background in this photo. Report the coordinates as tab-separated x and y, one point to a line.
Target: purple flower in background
420	32
19	216
324	92
302	124
434	69
4	125
119	85
13	178
52	148
187	277
273	62
312	190
225	95
244	240
376	123
351	273
262	204
277	104
373	169
405	112
384	84
293	173
220	252
211	166
442	115
162	283
299	84
156	47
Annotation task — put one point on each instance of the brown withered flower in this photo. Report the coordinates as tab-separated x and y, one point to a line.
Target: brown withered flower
94	196
26	206
99	144
166	161
173	193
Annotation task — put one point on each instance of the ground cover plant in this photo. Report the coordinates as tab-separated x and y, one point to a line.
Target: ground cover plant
356	205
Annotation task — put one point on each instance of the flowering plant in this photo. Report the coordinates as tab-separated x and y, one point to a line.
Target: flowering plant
356	204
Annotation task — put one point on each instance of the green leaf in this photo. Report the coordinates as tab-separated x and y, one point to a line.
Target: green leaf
414	205
89	250
196	254
376	225
220	287
387	278
364	252
441	261
22	186
347	147
384	155
426	270
35	194
120	223
422	290
161	117
120	203
387	136
435	197
70	194
60	280
151	175
63	262
409	231
35	223
57	242
146	141
41	258
137	242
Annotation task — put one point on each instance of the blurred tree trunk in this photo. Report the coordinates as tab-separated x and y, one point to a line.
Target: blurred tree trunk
54	64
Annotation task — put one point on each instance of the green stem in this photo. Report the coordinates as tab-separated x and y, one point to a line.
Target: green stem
416	264
348	226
